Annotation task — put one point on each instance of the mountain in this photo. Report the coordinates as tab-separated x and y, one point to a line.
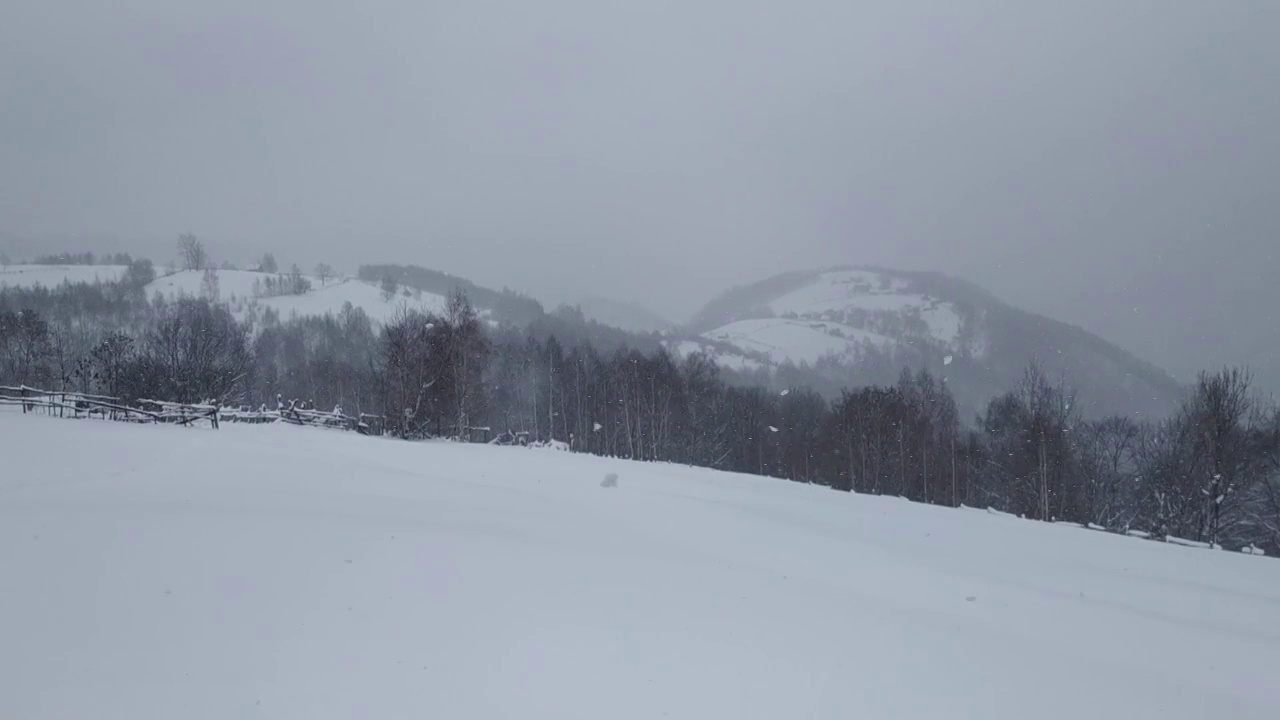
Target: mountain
861	325
629	316
830	329
506	305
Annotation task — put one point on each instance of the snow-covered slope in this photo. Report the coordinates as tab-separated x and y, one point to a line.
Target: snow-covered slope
875	322
50	276
863	295
238	288
839	314
780	339
281	572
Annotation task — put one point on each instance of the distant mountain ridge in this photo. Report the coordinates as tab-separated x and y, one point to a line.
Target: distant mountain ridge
628	316
831	329
861	325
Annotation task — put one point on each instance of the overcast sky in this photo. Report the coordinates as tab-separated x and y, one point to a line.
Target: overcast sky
1111	163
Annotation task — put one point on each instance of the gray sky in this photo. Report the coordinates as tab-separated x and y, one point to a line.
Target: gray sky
1112	164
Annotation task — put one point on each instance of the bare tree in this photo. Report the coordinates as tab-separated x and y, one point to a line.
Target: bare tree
467	353
108	361
192	253
1261	503
1221	412
324	272
268	264
409	370
1108	465
209	285
200	351
26	349
298	284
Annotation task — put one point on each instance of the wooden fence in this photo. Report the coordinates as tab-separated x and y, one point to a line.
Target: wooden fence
63	403
73	404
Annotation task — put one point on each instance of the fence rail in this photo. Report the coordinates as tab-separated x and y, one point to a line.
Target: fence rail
65	403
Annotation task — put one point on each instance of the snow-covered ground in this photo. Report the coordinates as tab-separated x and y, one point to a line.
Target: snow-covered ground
732	359
27	276
282	572
835	289
323	298
799	341
839	313
237	289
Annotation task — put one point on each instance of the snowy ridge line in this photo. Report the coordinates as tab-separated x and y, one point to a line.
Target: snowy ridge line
1127	532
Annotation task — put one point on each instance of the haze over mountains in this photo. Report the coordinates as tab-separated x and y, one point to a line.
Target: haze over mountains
866	324
830	329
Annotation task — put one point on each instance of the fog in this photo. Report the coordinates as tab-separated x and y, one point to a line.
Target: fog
1113	165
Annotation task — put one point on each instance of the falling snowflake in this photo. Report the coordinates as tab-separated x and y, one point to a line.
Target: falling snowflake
773	429
597	427
785	393
946	360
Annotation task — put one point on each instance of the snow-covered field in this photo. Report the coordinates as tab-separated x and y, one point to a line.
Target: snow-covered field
27	276
282	572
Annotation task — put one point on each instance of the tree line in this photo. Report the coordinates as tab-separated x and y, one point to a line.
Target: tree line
1210	472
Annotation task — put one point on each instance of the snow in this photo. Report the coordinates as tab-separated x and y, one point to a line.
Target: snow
729	360
1191	543
330	299
834	290
324	298
808	322
796	340
847	290
187	282
274	571
50	276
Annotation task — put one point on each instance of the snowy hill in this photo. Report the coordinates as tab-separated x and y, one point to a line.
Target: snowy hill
240	288
281	572
863	325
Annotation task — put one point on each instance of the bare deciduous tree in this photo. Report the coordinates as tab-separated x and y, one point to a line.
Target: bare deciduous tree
209	285
200	351
191	252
